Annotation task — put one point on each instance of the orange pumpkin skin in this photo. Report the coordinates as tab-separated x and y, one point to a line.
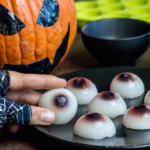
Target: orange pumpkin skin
36	42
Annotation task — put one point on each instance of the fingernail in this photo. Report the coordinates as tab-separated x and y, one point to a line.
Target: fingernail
61	82
47	116
64	82
59	79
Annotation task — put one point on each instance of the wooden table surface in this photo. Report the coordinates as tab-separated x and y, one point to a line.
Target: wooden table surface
28	138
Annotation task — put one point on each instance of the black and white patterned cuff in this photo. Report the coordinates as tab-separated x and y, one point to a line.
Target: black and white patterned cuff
10	111
4	82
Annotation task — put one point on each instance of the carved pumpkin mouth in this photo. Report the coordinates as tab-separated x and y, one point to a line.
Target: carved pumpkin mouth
48	16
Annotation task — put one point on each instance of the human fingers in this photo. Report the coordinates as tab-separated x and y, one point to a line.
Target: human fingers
28	96
42	116
21	113
19	81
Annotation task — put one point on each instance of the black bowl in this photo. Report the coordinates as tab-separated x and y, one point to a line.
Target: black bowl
116	42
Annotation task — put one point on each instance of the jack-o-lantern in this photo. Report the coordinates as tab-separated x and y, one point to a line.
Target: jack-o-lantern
35	35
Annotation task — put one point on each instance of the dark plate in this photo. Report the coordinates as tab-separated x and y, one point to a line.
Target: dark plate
124	138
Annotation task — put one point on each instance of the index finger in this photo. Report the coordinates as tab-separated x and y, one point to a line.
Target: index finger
20	81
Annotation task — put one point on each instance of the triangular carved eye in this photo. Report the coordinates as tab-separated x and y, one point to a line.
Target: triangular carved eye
48	13
9	23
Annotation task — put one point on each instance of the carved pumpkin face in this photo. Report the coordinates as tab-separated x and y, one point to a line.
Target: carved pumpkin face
35	35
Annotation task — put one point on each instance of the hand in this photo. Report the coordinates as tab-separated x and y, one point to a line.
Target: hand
21	90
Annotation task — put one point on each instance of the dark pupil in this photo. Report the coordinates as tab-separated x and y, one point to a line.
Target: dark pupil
61	101
124	77
79	83
108	95
93	116
141	108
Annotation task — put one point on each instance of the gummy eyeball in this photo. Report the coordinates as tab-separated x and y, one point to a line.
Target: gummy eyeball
83	89
147	98
62	102
108	103
137	117
128	85
94	126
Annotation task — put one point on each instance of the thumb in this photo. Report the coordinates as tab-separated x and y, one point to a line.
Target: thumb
42	116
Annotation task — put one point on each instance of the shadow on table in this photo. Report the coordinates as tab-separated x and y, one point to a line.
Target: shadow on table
40	141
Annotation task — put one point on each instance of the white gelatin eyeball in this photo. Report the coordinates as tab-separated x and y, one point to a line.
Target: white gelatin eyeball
128	85
94	126
108	103
147	98
62	102
83	89
137	117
